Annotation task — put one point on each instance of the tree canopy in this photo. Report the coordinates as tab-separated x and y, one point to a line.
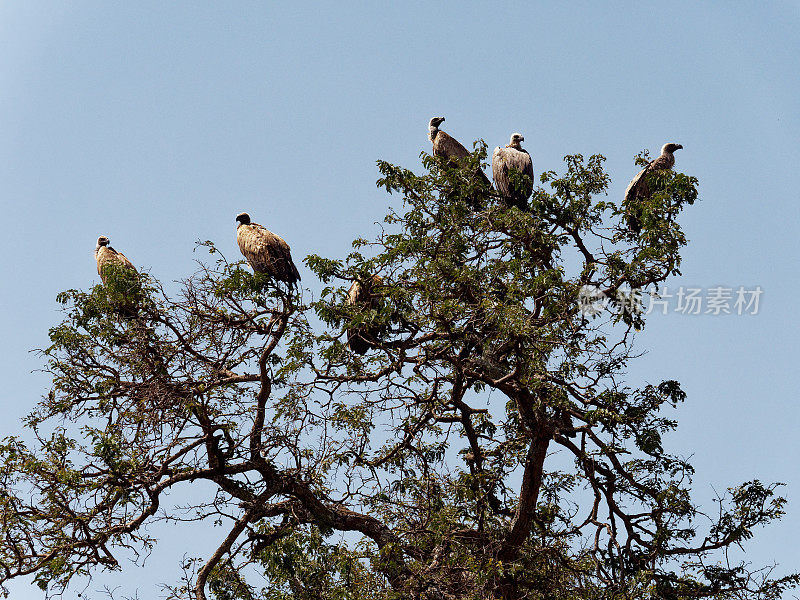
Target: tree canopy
425	468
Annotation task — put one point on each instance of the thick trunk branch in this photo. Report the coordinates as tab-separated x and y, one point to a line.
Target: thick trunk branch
528	497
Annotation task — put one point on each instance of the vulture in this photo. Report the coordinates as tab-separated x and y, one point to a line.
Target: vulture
361	294
123	292
266	252
106	256
450	148
513	157
638	188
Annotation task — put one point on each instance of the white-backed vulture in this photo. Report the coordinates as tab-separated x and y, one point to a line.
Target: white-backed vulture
513	158
106	256
266	252
362	294
450	148
119	276
638	189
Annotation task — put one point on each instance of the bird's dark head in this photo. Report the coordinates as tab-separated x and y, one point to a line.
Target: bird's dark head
436	121
243	218
103	241
670	148
517	139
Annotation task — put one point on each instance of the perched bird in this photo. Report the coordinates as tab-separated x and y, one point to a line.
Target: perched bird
638	189
513	157
266	252
119	276
443	144
362	294
108	258
450	148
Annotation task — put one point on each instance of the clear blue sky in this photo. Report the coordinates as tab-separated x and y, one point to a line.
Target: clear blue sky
155	123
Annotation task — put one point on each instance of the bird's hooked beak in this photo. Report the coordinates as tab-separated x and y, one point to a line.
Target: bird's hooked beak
678	147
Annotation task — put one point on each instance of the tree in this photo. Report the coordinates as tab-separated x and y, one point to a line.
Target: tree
423	469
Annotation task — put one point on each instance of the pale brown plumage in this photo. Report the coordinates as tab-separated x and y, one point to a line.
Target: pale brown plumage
266	252
638	189
119	277
513	158
106	256
450	148
362	294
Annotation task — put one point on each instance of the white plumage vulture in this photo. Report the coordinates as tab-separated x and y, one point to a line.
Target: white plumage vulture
107	258
513	158
638	189
362	295
266	252
450	148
